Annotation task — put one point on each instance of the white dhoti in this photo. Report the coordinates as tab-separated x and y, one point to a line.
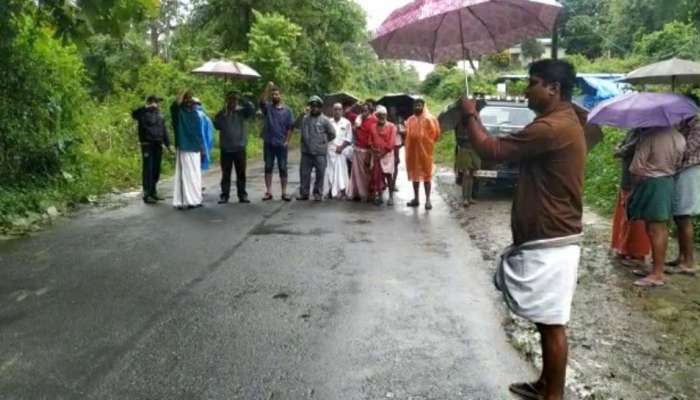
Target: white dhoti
538	278
337	176
187	188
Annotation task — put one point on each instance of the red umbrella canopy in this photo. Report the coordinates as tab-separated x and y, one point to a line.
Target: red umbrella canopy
436	31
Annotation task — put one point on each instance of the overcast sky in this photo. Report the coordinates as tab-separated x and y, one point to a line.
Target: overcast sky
377	11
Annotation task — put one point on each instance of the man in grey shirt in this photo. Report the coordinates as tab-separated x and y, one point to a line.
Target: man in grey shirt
316	132
233	139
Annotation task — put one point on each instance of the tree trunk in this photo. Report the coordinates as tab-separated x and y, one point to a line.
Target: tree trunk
155	36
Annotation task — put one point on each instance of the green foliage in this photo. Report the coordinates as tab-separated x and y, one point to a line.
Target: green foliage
532	49
605	64
77	20
445	148
603	173
583	37
41	104
676	39
272	40
499	61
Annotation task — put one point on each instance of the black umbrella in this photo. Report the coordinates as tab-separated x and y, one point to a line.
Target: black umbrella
343	98
401	101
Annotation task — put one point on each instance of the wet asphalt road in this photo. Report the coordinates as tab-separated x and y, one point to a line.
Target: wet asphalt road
264	301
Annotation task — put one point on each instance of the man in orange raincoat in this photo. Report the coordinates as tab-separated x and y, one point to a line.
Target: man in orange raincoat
422	131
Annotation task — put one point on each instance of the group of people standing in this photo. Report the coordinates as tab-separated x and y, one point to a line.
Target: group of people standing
660	182
354	157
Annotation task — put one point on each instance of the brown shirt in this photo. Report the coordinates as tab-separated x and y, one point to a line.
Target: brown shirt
552	156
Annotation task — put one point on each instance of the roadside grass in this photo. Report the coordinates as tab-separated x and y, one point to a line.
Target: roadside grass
25	207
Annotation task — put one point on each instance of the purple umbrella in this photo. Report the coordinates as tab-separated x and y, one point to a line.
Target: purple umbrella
436	31
643	110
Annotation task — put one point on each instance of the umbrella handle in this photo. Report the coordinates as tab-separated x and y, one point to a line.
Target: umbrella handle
466	75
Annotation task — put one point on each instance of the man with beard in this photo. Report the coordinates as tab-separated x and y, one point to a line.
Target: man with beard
316	132
277	131
538	273
422	131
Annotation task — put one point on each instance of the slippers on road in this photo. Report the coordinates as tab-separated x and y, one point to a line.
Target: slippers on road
526	390
267	197
648	283
641	272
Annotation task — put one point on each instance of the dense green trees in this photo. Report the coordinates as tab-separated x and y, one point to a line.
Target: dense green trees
615	27
73	69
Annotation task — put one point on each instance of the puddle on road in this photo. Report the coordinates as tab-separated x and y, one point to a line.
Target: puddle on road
359	222
278	229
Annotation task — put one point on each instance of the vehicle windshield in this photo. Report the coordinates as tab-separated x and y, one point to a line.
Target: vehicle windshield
511	116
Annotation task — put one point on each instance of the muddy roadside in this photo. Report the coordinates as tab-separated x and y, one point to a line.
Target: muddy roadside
625	342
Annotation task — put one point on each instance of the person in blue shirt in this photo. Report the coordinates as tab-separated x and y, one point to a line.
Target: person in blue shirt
187	188
277	131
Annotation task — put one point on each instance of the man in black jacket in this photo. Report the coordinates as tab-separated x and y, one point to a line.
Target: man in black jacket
153	135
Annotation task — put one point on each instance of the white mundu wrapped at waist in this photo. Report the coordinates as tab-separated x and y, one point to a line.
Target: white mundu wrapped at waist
538	278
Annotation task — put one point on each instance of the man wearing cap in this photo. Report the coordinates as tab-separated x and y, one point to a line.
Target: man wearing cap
153	135
233	139
316	132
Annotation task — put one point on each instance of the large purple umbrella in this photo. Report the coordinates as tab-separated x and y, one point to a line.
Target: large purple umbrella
436	31
643	110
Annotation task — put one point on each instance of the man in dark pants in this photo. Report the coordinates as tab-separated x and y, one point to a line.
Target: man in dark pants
278	122
316	132
233	139
153	135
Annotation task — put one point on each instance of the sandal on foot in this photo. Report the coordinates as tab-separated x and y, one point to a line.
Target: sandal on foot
641	272
632	263
428	206
413	203
526	391
686	271
267	197
673	263
648	283
286	198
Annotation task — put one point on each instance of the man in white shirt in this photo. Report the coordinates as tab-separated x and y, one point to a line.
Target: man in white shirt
339	152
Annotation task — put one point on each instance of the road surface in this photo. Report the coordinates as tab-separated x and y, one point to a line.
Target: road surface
270	300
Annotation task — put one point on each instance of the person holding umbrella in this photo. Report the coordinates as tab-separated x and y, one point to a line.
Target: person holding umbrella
233	139
538	273
657	158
